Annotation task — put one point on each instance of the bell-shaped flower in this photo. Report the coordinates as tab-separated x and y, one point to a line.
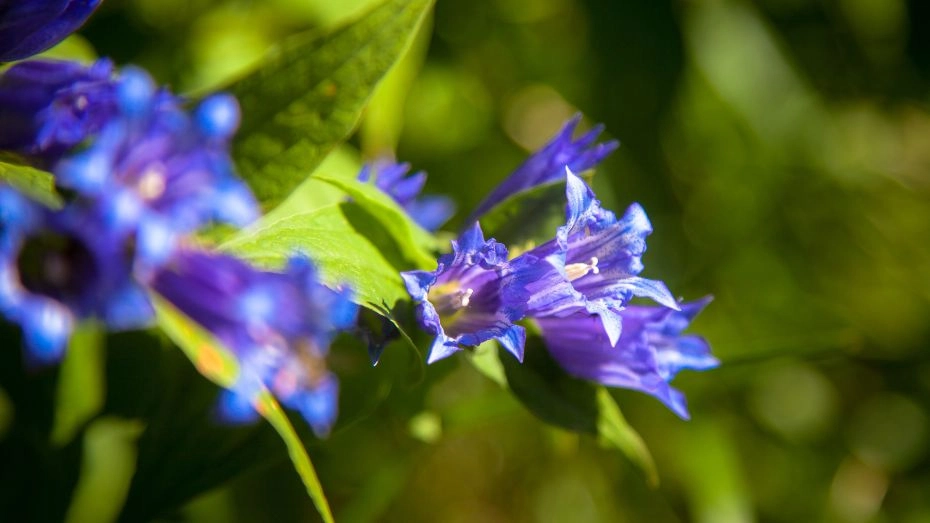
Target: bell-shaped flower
467	300
649	353
28	27
548	164
60	267
278	324
430	211
593	263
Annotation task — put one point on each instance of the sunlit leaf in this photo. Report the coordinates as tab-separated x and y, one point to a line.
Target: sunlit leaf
340	240
308	95
413	240
34	183
107	467
81	387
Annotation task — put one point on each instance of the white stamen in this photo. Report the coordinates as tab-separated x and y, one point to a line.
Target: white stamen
152	182
465	299
80	103
577	270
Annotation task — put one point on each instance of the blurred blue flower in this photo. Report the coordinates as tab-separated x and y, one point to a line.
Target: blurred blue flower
165	172
50	106
548	164
592	264
59	267
430	212
648	355
279	325
31	26
466	300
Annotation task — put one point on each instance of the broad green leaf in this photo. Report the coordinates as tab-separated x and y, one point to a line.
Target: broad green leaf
210	358
340	239
271	410
564	401
413	240
34	183
308	95
107	466
613	430
218	364
343	162
81	384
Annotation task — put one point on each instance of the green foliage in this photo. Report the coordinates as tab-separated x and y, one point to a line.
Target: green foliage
37	184
81	385
218	364
307	96
564	401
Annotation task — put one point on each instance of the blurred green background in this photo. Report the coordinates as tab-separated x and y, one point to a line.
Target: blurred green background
782	151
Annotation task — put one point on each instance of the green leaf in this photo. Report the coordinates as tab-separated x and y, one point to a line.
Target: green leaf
413	240
34	183
210	358
614	431
271	410
80	393
219	365
348	244
107	467
308	95
553	396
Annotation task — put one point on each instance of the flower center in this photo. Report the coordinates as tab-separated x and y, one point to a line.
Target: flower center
449	299
55	265
577	270
151	184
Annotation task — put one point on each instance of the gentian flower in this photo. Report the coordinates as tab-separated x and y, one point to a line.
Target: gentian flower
279	325
31	26
166	173
50	106
648	355
467	299
59	267
430	212
548	164
592	264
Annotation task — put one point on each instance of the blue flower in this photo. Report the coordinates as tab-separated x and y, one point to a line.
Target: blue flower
548	164
467	300
430	212
31	26
648	355
165	172
279	325
50	106
60	267
593	263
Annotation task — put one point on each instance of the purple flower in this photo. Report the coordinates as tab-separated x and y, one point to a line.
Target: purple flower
50	106
279	325
648	355
60	267
166	173
31	26
592	264
430	212
466	300
548	164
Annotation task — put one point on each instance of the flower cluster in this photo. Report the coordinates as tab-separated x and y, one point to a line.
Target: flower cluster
577	287
139	173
